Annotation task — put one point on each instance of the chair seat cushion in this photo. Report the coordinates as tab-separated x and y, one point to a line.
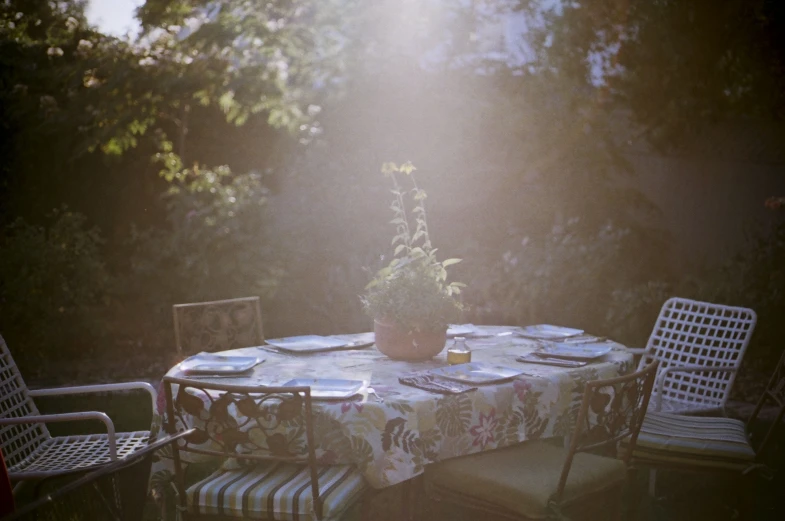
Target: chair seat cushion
694	441
274	490
522	479
71	453
683	407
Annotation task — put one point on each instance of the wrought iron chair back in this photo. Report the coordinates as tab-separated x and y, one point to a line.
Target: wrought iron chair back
20	440
773	394
611	410
689	335
249	423
218	325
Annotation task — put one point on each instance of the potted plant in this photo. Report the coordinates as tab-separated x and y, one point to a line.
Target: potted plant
410	300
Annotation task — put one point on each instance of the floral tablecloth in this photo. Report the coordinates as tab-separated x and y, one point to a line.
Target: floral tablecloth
391	441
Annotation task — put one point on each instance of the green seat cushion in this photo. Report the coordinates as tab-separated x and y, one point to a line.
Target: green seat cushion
522	479
694	441
279	491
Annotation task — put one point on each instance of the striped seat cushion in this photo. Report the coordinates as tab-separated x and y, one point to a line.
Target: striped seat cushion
280	491
693	441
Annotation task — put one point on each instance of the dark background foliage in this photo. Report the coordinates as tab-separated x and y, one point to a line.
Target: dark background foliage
243	159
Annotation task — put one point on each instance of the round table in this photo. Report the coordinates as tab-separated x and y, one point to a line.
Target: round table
392	437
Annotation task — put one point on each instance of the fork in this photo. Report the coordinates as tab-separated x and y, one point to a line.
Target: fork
422	380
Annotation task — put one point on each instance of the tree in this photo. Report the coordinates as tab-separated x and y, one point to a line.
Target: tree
677	65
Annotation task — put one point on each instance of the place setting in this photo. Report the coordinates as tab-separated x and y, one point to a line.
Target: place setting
459	378
564	347
212	365
313	344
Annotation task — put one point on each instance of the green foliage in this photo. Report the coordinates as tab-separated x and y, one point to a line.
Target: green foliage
677	66
214	247
412	290
569	276
53	286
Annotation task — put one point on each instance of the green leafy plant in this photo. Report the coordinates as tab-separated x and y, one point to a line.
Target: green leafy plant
54	288
412	290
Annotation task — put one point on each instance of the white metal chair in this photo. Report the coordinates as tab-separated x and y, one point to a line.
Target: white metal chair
218	325
116	491
700	347
32	453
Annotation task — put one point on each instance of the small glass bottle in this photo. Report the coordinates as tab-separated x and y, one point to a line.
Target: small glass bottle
459	352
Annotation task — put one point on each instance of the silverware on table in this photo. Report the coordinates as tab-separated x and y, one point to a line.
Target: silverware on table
584	339
275	350
211	376
372	391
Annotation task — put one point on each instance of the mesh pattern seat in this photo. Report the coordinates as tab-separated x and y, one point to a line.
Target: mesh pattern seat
116	491
700	347
77	453
219	325
29	449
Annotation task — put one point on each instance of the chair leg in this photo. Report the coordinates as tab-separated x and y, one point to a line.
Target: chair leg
366	506
653	483
633	500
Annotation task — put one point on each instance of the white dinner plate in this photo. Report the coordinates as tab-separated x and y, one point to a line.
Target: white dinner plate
209	363
477	373
329	388
576	351
549	332
307	343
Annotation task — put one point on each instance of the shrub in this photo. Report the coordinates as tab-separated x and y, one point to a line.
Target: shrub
53	287
567	276
214	247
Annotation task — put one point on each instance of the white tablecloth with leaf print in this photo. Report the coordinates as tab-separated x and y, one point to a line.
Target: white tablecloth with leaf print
393	440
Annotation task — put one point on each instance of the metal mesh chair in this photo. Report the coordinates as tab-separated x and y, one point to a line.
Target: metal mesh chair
32	453
700	347
538	480
115	492
218	325
693	443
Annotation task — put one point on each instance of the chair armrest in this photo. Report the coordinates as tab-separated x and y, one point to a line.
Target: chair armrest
687	369
90	480
70	416
100	388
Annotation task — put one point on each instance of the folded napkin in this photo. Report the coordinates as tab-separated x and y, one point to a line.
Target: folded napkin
434	384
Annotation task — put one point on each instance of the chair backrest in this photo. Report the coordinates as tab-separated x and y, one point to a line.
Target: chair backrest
17	441
249	423
773	394
611	410
690	332
218	325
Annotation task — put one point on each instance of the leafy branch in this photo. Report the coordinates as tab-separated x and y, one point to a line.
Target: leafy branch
412	289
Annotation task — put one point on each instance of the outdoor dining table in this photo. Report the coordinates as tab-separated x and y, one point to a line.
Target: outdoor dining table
392	433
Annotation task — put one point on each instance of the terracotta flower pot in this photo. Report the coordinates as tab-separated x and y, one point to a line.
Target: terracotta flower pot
412	347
